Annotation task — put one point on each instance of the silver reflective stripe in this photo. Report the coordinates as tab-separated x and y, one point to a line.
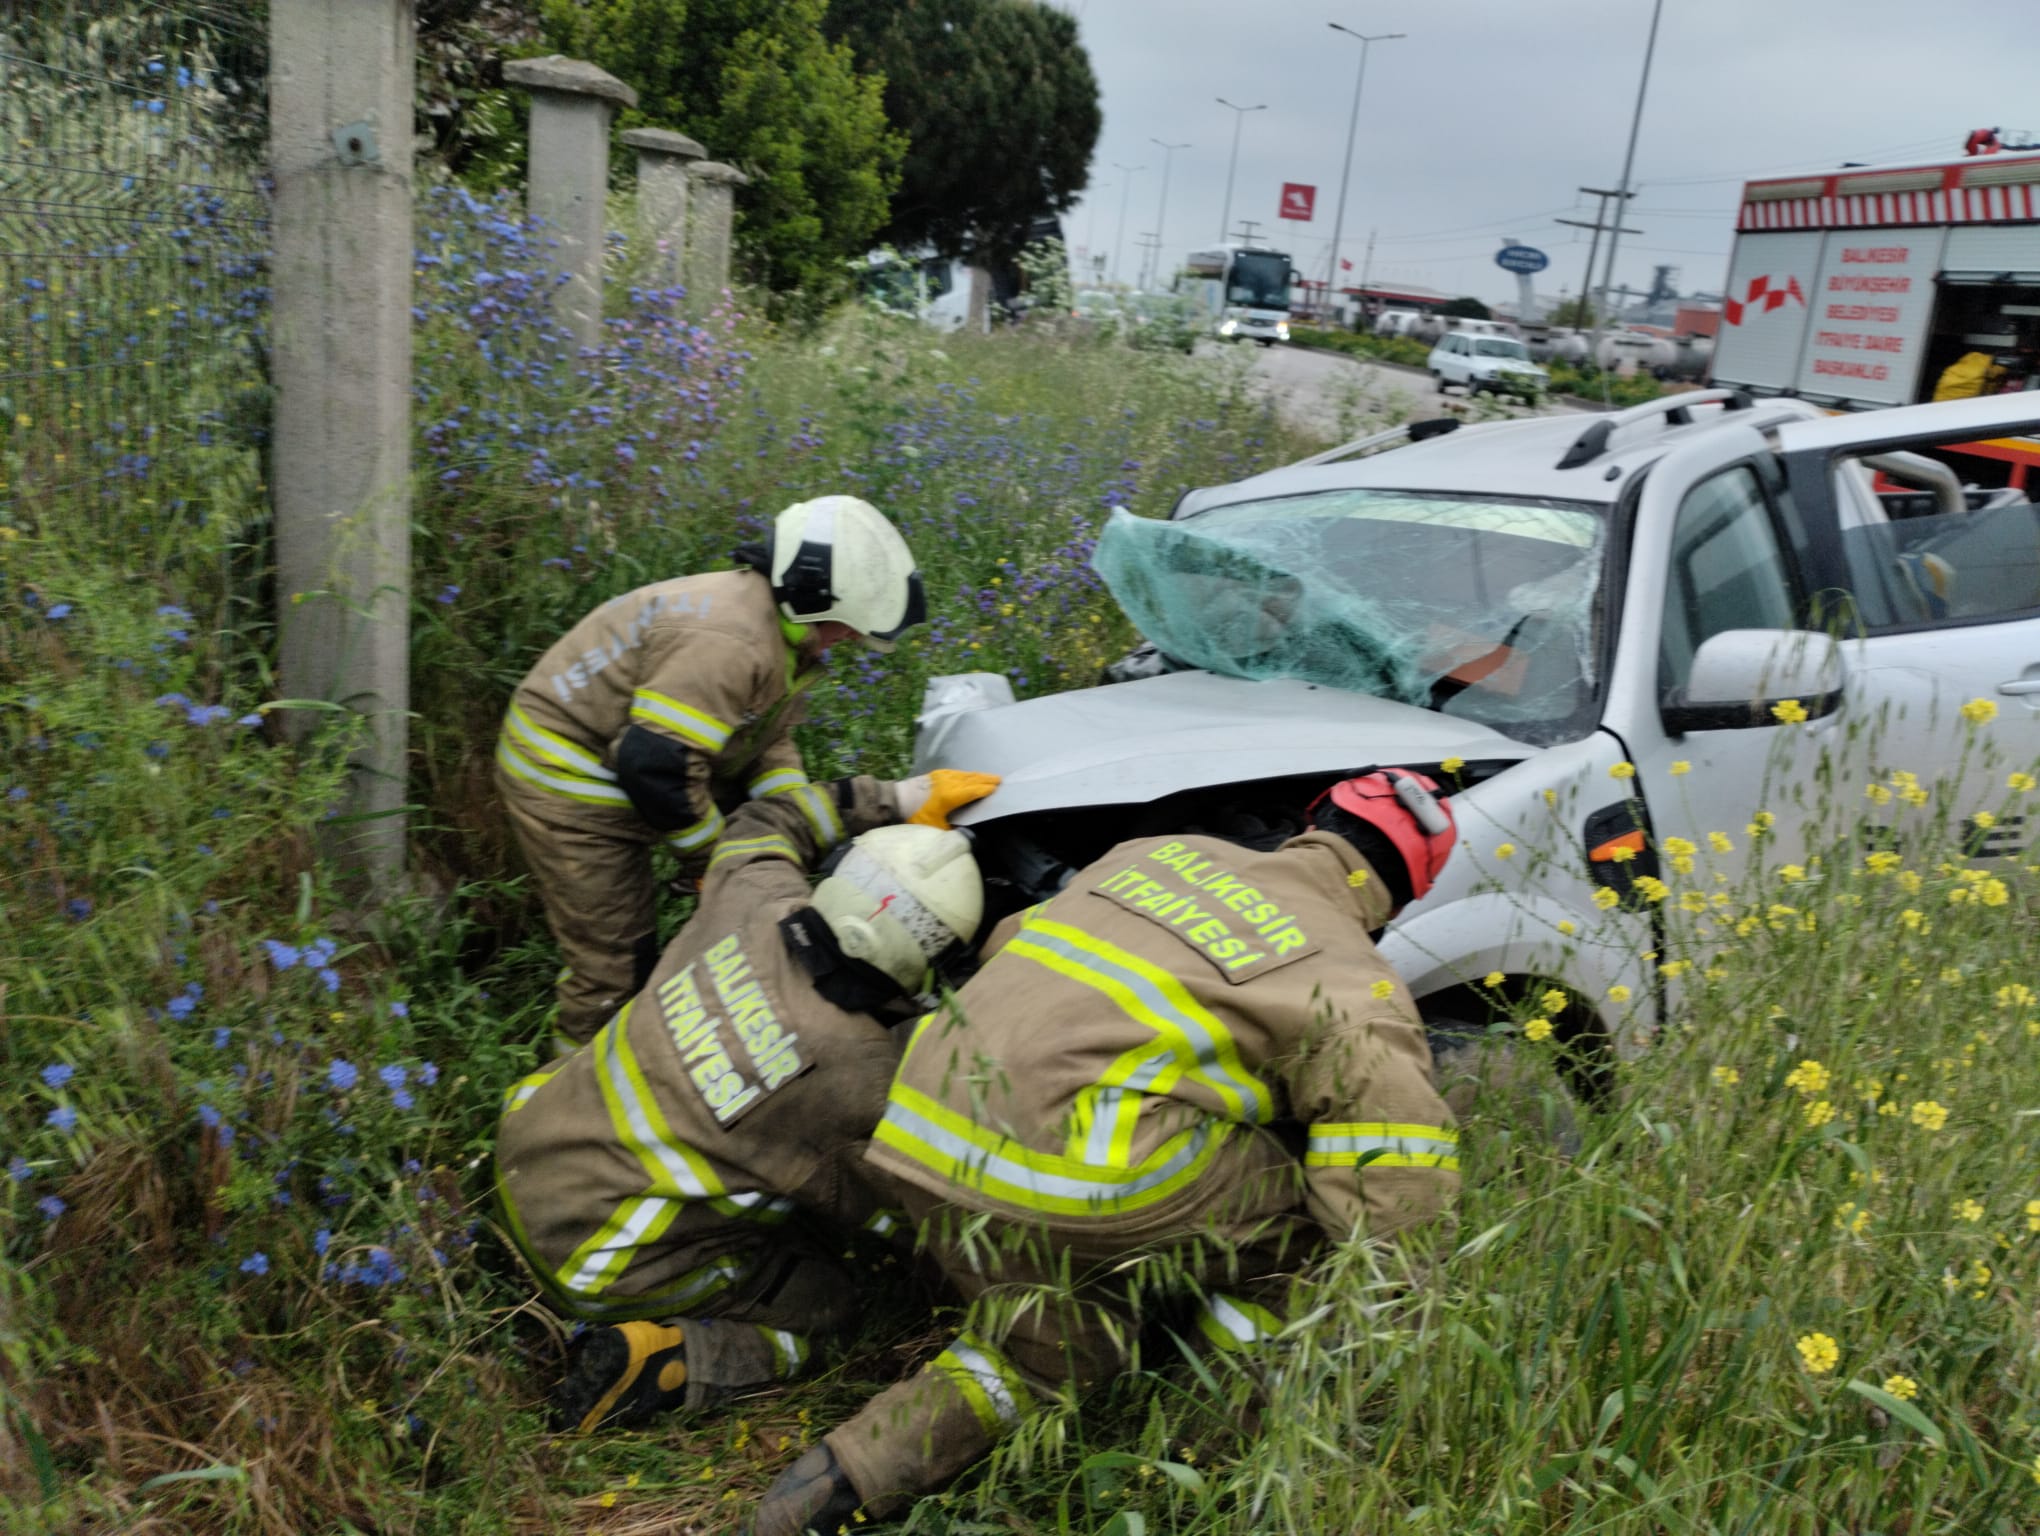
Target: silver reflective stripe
1407	1146
581	761
884	1224
591	1276
1105	1114
790	1349
705	830
676	1167
820	809
1235	1322
777	782
988	1378
523	768
1251	1092
979	1160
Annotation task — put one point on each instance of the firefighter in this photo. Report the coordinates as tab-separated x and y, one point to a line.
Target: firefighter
666	706
1194	1052
672	1181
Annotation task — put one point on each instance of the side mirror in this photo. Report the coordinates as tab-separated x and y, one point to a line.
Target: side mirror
1741	675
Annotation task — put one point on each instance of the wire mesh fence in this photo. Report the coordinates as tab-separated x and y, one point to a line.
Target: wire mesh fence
133	249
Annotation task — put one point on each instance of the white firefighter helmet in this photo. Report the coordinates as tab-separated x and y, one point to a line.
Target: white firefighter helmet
902	897
837	557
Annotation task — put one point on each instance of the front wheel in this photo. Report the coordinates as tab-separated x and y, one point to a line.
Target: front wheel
1264	341
1503	1081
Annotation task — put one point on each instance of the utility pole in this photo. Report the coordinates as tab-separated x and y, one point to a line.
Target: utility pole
1628	163
1125	187
1600	223
1091	233
1366	266
1162	210
1352	123
1239	117
1247	228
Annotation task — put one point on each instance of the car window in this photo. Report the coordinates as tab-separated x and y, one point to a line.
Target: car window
1727	571
1946	569
1500	346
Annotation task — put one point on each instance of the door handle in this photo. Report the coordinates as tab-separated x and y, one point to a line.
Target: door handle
2020	685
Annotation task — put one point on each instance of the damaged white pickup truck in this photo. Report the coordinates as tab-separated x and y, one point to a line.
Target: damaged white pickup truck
1580	627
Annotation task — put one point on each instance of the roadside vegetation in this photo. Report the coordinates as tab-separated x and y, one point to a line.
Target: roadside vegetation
1566	379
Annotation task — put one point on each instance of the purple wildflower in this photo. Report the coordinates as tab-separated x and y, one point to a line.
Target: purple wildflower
51	1207
257	1263
58	1073
63	1117
341	1074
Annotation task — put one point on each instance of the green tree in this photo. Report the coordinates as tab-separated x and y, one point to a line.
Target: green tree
1577	313
758	83
1000	108
1466	309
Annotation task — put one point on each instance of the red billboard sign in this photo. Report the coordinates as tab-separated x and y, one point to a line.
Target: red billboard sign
1298	201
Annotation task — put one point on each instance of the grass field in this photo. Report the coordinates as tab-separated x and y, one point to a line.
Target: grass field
1788	1284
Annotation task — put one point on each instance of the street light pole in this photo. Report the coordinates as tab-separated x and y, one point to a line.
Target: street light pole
1127	173
1352	124
1628	164
1239	117
1162	211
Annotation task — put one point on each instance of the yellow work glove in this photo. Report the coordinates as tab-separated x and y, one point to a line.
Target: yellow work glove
927	801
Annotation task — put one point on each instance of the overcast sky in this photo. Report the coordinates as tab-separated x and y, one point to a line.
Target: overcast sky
1486	120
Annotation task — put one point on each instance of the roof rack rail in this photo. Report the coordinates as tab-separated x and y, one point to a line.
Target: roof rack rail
1412	431
1677	411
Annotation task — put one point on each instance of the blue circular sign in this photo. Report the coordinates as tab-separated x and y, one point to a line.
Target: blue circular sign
1521	258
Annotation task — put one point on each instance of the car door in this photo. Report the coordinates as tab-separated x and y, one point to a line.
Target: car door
1947	610
1450	368
1710	552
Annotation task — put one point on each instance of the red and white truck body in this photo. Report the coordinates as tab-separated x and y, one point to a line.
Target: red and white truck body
1855	288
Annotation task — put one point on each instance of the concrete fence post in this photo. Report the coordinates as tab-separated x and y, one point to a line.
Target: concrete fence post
711	213
572	106
340	93
662	160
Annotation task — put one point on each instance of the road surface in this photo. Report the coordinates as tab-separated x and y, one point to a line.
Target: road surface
1341	397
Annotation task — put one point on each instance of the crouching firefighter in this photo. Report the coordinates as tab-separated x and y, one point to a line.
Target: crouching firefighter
683	1180
1195	1054
665	707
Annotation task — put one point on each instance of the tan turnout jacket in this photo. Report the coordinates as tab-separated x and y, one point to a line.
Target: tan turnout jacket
1103	1067
700	661
636	1173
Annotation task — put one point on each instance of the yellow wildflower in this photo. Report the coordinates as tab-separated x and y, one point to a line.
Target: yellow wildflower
1621	855
1505	850
1537	1029
1911	917
1979	711
1728	1077
1819	1351
1904	1388
1881	863
1675	968
1452	765
1979	1276
1383	988
1819	1112
1984	819
1693	901
1969	1210
1553	1001
1678	847
1791	874
1720	843
1650	888
1878	794
1605	898
1618	993
1928	1115
1993	893
1788	711
2033	1215
2022	782
1622	771
1853	1219
1809	1077
1357	878
1680	768
1951	975
1493	979
1567	927
1914	797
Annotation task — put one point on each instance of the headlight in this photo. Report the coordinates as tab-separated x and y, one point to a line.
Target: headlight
1228	328
1282	330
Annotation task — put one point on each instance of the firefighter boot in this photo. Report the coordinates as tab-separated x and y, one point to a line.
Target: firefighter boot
622	1376
814	1494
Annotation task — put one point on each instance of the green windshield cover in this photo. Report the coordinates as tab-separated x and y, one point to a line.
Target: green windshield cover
1404	595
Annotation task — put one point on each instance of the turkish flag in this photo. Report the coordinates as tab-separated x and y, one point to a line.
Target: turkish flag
1299	200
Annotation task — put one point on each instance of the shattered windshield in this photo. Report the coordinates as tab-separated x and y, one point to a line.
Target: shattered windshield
1479	606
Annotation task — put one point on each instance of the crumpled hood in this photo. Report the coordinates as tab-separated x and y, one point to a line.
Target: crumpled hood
1130	743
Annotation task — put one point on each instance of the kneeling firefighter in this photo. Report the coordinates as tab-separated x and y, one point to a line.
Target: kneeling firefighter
665	707
674	1181
1194	1052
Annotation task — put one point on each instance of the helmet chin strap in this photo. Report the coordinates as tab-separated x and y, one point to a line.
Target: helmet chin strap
855	986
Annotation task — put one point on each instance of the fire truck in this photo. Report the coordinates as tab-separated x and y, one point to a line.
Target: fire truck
1861	287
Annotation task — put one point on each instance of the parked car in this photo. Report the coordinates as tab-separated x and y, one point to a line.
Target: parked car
1564	610
1499	363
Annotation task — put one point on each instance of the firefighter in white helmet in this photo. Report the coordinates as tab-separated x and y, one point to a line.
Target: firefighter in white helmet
684	1182
664	708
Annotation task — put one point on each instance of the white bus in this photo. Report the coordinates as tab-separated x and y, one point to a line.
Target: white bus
1244	290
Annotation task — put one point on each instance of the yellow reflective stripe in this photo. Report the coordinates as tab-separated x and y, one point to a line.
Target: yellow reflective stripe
1381	1144
1104	1116
789	1351
770	844
1151	996
754	1205
819	806
703	832
777	782
987	1381
519	1093
548	748
683	720
592	791
593	1267
1230	1323
935	1136
675	1168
